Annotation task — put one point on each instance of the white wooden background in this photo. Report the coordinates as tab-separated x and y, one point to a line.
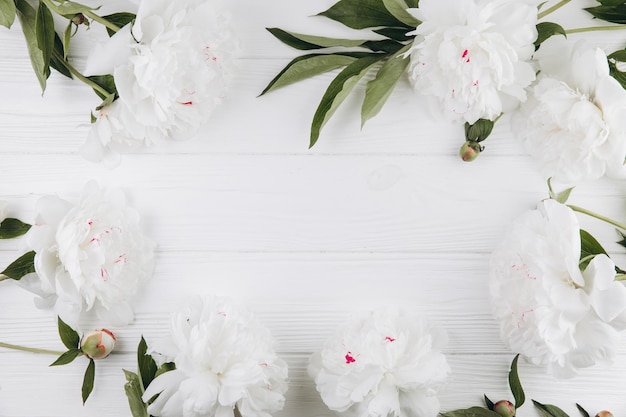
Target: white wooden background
384	216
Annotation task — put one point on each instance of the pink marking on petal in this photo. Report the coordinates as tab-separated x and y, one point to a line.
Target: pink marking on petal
187	103
349	358
104	274
389	339
475	84
465	52
221	313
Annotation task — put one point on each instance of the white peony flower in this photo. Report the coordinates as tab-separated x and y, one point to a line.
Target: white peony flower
224	358
381	364
473	56
548	310
574	121
170	70
89	256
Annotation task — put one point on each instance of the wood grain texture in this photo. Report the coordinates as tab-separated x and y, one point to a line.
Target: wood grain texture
386	215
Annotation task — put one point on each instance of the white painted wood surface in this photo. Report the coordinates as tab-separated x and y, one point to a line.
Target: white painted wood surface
384	216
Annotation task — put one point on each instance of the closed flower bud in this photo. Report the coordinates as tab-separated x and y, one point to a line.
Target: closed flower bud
604	413
470	151
78	19
504	408
98	344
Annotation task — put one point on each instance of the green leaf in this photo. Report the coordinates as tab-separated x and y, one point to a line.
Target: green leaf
27	16
361	14
547	410
488	402
166	367
134	391
306	42
107	82
119	19
589	247
613	14
471	412
516	385
413	4
23	265
88	380
398	9
338	90
394	33
379	89
67	37
561	197
546	30
147	365
7	13
582	410
44	29
69	336
56	61
67	357
385	45
479	131
307	66
620	76
10	228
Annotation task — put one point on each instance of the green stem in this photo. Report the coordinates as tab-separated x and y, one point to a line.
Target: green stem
80	76
597	216
32	350
620	277
552	9
102	21
595	29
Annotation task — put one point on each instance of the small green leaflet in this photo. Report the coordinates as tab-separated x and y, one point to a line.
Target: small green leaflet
23	265
611	13
166	367
620	76
361	14
307	66
10	228
108	83
379	89
119	19
338	90
67	357
479	131
546	30
398	9
7	13
147	366
134	391
69	336
561	197
27	16
88	380
471	412
516	385
488	402
547	410
307	42
589	247
582	410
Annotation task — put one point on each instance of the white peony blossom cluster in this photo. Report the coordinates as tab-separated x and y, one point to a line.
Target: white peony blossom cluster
171	70
573	122
473	56
90	256
224	359
548	310
382	364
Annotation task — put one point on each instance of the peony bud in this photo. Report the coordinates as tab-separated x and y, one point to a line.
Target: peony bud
470	151
604	413
98	344
504	408
78	19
